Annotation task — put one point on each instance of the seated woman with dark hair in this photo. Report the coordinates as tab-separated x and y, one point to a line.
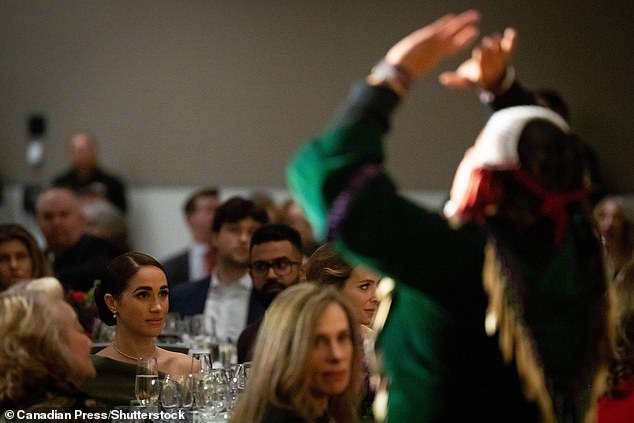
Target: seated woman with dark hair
44	354
306	362
20	256
133	297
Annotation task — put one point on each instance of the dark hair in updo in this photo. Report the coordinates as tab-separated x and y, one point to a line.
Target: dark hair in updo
115	280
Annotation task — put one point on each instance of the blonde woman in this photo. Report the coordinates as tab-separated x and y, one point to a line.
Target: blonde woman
133	297
306	363
617	406
44	353
357	283
615	230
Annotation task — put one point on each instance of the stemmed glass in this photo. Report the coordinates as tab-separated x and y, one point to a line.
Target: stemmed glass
242	375
238	376
201	362
187	388
220	391
170	393
146	385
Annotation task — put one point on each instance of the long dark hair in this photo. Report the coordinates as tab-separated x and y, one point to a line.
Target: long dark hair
115	279
13	231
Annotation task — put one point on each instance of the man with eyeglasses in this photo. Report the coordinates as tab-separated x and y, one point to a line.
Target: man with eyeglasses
275	264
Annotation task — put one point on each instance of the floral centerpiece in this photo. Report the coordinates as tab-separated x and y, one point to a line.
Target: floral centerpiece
85	307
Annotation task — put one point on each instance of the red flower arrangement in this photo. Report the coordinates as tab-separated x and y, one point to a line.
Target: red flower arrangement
85	307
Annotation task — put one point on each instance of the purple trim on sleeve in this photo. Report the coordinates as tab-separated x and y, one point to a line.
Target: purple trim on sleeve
341	204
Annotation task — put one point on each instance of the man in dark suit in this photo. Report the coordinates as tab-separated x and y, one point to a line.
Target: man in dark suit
276	263
196	261
226	297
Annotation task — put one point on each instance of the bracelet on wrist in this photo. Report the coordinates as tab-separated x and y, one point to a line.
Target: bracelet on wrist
393	76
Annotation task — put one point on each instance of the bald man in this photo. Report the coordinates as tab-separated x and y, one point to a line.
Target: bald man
85	177
78	259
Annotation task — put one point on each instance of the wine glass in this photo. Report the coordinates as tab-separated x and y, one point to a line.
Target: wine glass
239	374
187	389
228	354
201	362
146	385
220	391
170	396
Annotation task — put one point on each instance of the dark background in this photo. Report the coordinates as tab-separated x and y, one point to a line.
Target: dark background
222	92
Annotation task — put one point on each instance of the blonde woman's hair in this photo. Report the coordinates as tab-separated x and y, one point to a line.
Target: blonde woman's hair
622	366
48	285
281	372
326	267
33	349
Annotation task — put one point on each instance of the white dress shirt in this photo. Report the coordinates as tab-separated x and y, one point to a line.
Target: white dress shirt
197	265
228	306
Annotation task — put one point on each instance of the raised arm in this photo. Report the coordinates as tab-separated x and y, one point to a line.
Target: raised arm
416	55
488	65
339	179
489	69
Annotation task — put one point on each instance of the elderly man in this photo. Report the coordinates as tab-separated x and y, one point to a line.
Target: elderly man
276	264
85	177
78	259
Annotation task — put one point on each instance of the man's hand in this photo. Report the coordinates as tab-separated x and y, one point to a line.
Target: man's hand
487	66
418	53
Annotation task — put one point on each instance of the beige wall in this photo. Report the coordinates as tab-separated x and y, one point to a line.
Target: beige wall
198	92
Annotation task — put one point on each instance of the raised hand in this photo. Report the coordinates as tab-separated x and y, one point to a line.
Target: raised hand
418	53
487	66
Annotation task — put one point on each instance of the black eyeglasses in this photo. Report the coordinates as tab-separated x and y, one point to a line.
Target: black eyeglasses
281	266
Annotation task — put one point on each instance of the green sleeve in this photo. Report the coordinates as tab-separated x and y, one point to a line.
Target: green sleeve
382	228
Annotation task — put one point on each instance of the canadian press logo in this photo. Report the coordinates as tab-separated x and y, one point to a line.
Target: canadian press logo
18	415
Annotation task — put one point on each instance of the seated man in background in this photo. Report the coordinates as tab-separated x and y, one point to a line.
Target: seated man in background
196	261
225	298
78	259
85	177
276	263
104	220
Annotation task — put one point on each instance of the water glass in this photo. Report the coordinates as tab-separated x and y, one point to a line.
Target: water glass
146	384
170	396
201	362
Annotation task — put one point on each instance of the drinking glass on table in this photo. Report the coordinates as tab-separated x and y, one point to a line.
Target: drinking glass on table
238	375
170	396
201	362
220	392
187	388
146	385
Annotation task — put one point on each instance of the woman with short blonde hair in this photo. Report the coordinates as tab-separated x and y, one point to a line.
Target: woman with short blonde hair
289	382
44	354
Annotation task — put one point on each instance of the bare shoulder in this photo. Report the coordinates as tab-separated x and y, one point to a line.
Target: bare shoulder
175	363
